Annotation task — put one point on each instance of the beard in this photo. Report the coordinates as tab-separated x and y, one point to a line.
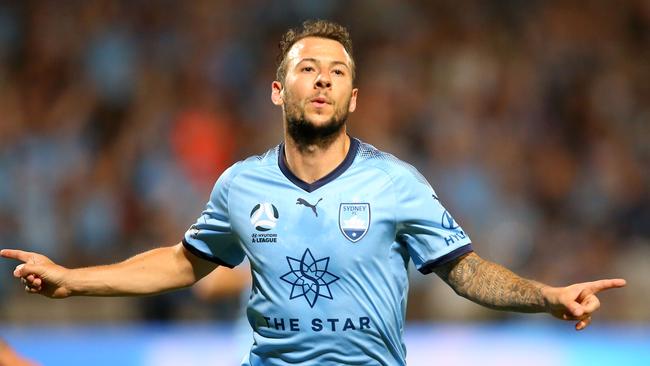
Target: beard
306	133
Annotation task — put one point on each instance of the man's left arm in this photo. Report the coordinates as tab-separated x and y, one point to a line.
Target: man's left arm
494	286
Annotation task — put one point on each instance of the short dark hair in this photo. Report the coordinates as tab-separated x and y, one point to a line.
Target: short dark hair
312	28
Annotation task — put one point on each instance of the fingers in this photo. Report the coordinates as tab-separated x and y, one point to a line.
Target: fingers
579	301
568	316
31	287
31	281
586	302
575	309
590	304
16	254
597	286
583	323
32	290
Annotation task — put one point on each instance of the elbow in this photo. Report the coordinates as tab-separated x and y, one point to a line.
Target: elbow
185	273
190	267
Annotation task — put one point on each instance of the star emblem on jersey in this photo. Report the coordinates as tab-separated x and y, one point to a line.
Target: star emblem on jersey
309	278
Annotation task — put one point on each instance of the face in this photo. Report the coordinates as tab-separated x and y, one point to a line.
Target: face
317	92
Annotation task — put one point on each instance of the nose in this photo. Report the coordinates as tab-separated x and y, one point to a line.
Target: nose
323	81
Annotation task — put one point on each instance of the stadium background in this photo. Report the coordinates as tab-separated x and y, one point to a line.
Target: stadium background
531	119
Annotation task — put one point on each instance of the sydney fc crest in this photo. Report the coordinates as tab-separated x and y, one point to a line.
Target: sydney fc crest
354	220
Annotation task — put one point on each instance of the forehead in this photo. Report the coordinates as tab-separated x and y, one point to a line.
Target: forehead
322	49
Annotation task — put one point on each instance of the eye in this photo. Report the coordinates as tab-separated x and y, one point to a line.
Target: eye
307	69
339	72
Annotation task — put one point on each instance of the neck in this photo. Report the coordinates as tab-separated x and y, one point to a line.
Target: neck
311	163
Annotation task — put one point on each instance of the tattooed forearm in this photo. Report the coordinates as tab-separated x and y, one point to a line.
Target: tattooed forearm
492	285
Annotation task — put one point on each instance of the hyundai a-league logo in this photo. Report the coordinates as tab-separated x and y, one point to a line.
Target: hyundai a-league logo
194	231
264	216
354	220
309	278
448	222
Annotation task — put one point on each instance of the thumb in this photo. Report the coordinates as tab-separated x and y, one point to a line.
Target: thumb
26	269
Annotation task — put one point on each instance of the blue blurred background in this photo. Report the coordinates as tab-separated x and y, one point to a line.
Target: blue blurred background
509	344
530	119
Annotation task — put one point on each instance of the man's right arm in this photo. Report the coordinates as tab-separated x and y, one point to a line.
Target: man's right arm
151	272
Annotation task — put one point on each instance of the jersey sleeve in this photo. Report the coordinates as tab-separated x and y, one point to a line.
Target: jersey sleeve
428	230
211	236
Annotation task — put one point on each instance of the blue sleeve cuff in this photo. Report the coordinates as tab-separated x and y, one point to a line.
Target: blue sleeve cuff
205	256
428	266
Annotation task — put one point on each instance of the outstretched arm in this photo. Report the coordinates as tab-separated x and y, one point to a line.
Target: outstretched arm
151	272
496	287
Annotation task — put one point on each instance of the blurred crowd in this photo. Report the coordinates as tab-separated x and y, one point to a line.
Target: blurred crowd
531	119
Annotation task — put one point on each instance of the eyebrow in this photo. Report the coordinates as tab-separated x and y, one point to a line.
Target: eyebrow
311	59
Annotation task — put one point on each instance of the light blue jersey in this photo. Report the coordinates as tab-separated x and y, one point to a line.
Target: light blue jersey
328	259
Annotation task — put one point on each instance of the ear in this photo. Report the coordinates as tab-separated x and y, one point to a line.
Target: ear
353	100
276	93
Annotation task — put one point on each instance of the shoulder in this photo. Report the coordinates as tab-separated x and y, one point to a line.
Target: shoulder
254	162
251	164
397	169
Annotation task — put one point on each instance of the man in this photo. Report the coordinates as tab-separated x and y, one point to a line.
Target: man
328	224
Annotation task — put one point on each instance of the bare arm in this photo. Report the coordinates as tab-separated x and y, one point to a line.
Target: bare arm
151	272
496	287
492	285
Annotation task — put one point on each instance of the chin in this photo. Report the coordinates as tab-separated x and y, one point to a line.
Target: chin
319	119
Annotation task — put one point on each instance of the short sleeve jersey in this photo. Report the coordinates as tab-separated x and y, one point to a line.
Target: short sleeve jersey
328	259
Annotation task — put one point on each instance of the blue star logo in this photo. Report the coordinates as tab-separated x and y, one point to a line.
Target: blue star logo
309	277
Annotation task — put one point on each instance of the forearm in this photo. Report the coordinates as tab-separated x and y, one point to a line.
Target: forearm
151	272
493	286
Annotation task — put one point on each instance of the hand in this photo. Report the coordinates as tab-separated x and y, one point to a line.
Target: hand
578	301
39	274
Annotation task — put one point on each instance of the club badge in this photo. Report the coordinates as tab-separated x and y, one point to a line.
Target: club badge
354	220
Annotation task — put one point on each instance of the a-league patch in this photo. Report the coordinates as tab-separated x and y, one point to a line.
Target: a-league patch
354	220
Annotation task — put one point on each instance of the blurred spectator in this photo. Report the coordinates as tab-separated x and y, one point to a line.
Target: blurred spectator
8	357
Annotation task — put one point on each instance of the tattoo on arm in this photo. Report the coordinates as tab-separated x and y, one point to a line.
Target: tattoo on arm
491	285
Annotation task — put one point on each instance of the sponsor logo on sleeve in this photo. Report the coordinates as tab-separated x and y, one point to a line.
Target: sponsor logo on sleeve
448	222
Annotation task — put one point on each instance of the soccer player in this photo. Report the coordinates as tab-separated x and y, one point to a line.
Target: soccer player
328	224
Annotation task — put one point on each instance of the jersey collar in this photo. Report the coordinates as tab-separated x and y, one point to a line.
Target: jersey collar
310	187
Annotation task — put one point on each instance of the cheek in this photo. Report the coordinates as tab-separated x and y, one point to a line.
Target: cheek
344	103
299	83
